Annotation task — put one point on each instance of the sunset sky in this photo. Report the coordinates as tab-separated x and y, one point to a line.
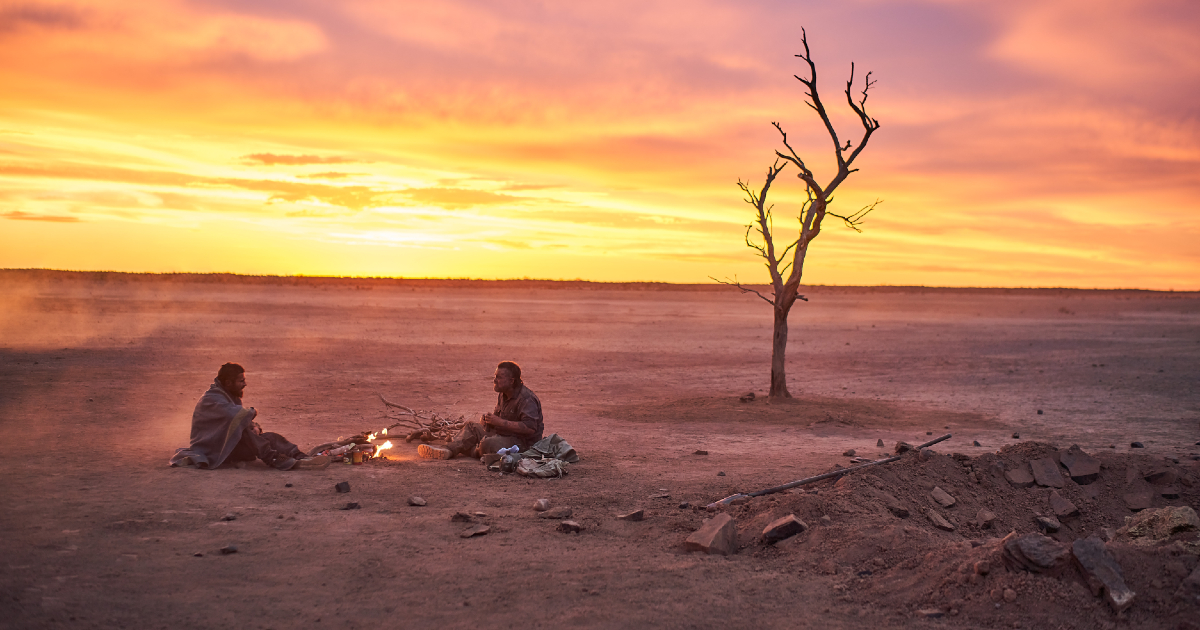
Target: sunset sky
1023	143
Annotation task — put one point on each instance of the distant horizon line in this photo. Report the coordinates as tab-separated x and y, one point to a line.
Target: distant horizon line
657	283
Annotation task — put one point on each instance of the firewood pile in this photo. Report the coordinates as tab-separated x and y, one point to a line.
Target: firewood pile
421	424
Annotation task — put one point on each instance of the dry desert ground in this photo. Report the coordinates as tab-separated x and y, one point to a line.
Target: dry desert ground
99	374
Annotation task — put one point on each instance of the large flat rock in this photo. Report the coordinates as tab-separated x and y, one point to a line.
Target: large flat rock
1020	477
1061	506
1083	468
1102	573
1035	553
1045	472
717	535
782	528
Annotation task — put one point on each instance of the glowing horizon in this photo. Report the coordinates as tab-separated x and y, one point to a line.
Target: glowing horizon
1021	145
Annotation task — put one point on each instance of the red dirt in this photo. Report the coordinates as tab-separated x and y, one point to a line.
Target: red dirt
99	374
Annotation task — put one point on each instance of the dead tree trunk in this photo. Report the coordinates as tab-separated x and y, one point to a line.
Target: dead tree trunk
786	290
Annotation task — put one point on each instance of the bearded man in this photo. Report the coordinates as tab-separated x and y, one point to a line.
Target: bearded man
225	431
516	421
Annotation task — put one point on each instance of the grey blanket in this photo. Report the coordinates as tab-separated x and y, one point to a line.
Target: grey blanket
217	425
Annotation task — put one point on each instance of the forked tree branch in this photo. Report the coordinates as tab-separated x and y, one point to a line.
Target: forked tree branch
744	288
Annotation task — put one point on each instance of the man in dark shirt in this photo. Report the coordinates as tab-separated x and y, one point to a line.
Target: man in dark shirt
516	421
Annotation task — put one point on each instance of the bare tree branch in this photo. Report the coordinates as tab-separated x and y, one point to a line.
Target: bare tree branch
744	289
854	220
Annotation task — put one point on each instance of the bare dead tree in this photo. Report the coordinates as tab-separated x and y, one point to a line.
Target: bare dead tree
786	272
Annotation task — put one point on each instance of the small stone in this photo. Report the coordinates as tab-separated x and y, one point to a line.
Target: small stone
198	555
342	487
850	452
903	447
350	506
1061	506
879	443
1136	445
973	477
1020	477
1048	523
985	519
1102	573
976	443
1039	412
942	497
1010	595
1045	472
1034	552
782	528
929	433
720	473
541	505
570	527
460	517
478	530
417	502
228	549
636	515
558	513
1171	493
982	567
940	522
287	485
700	452
930	613
1016	436
479	514
717	535
684	505
229	517
926	454
825	520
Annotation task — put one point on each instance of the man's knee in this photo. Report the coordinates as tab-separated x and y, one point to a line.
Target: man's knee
494	443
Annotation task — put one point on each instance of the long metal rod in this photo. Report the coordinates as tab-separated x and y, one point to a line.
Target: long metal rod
836	473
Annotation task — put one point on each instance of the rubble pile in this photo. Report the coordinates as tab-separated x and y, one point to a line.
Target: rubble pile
1033	534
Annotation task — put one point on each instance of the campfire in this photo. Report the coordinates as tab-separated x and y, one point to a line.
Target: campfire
361	448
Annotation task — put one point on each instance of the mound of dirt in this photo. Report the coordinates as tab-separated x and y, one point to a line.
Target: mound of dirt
924	536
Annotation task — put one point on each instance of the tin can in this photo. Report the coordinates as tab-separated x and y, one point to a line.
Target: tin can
357	458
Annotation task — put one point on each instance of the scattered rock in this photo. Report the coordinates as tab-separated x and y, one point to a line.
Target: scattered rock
541	505
198	554
926	454
479	514
416	501
1062	507
684	505
228	549
570	527
942	497
478	530
1045	472
1047	523
1136	445
850	452
903	447
1010	595
1170	493
287	485
982	567
782	528
1161	476
1034	553
1189	589
740	499
1020	477
825	520
1083	468
350	506
985	518
1152	526
460	517
701	452
1016	436
663	495
229	517
1039	412
342	487
636	515
939	522
929	433
879	443
1138	498
560	513
892	504
747	398
976	443
1102	573
930	613
717	535
720	473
